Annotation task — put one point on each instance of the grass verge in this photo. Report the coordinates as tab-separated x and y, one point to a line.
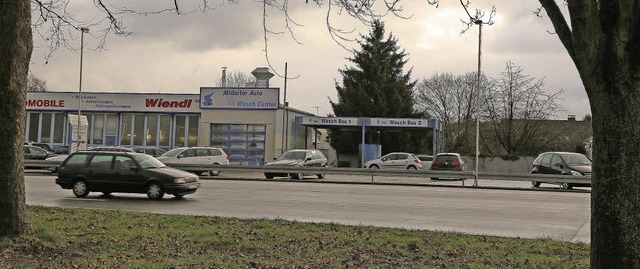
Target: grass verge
88	238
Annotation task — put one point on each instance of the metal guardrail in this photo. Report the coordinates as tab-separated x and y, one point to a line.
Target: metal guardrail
367	172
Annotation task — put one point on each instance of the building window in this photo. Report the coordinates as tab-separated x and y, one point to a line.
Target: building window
125	129
164	134
244	143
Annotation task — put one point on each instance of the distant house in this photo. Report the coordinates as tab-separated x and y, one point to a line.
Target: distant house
546	135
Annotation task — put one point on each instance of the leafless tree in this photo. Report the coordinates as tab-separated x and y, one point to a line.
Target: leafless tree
451	99
236	79
515	107
36	84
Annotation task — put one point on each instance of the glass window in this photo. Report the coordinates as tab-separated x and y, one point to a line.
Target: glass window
139	131
123	163
101	162
151	135
189	153
193	130
202	152
179	140
112	130
98	129
34	125
546	159
215	152
45	134
126	129
58	128
165	128
77	160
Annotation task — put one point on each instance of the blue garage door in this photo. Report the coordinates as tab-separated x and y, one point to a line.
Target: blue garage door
244	143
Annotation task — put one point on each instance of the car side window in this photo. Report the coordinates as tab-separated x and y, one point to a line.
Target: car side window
215	152
26	150
189	153
101	162
77	160
123	163
202	152
402	156
546	159
555	159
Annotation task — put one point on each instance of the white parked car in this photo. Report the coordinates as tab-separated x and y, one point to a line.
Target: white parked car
395	160
194	156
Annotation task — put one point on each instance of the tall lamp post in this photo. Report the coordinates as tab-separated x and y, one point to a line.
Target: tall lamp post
83	30
475	179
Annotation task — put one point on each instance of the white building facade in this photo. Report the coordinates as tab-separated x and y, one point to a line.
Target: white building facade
248	123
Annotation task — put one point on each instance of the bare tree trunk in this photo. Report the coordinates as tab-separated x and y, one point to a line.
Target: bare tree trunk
15	54
615	195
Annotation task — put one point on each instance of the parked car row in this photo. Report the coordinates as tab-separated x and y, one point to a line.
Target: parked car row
410	161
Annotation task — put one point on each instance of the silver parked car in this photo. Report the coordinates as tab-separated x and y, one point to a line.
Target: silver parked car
184	157
297	158
448	162
395	160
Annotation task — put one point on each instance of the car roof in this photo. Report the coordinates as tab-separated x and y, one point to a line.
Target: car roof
108	152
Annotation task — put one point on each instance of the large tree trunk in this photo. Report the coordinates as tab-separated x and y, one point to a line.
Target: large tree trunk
615	195
602	41
15	54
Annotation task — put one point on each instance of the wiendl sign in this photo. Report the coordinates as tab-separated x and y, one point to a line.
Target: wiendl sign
117	102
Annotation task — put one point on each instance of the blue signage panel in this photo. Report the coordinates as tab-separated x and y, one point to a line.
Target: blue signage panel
239	98
401	122
333	121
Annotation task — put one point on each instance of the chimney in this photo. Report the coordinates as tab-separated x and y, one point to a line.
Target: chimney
571	117
262	75
224	76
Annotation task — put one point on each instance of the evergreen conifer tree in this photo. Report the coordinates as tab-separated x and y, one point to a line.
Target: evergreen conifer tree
376	86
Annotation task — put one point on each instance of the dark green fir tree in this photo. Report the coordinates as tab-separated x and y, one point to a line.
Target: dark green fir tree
376	86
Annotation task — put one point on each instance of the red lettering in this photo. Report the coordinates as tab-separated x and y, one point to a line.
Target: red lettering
151	102
168	104
45	103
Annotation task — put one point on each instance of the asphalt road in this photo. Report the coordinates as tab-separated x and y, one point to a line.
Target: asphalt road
523	213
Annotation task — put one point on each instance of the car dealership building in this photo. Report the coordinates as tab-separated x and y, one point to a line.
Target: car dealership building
250	124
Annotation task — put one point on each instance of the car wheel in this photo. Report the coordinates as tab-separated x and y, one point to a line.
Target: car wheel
268	176
106	193
214	173
535	183
565	186
320	176
297	176
373	166
411	167
80	189
154	191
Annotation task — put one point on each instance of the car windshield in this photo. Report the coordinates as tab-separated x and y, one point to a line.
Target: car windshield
576	159
147	161
292	155
172	153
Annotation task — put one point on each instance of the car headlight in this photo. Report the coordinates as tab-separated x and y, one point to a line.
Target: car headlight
576	173
180	180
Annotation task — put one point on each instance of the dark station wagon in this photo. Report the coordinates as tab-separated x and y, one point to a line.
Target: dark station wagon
112	171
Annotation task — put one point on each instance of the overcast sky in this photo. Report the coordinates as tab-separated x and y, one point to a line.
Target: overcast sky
180	54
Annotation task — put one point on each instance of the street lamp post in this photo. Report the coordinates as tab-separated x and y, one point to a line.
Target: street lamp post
475	180
82	31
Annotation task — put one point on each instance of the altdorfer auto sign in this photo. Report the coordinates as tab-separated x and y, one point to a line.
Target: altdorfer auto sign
239	98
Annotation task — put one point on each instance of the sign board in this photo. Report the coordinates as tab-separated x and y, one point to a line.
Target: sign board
333	121
401	122
116	102
78	132
240	98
